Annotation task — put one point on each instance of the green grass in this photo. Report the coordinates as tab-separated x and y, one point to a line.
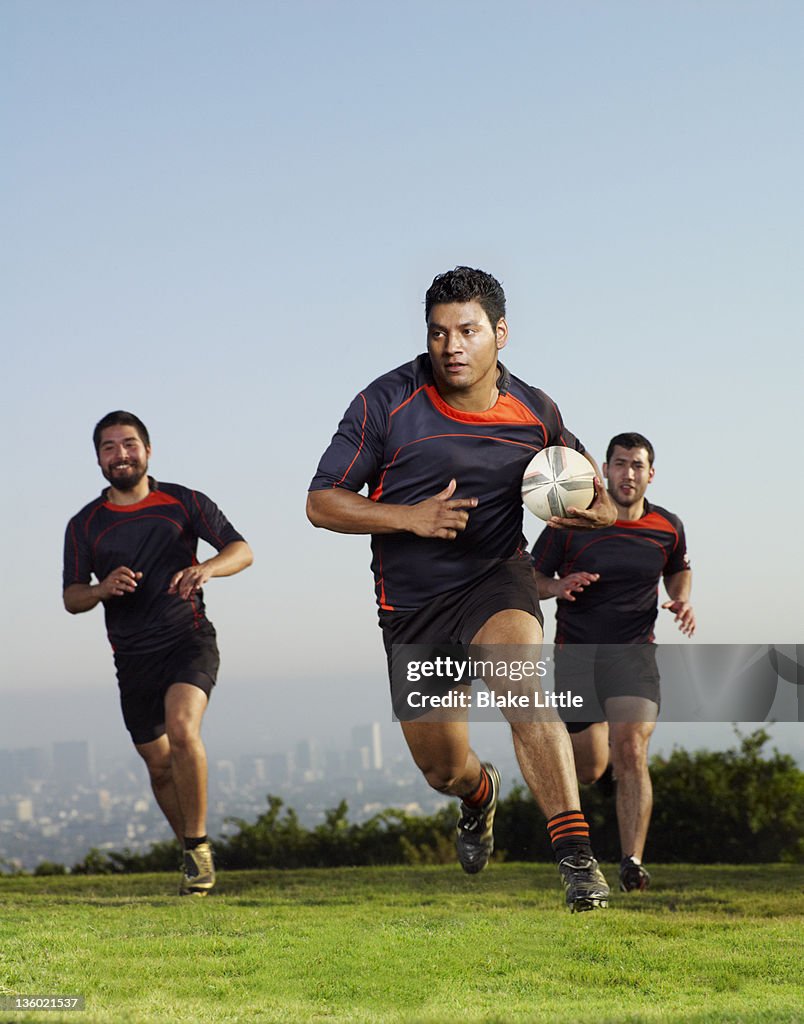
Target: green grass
706	944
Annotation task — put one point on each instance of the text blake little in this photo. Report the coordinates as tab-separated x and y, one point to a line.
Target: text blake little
490	699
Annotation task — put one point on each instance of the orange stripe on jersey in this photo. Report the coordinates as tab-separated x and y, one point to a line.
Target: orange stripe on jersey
376	494
651	521
507	409
360	446
393	412
381	584
154	498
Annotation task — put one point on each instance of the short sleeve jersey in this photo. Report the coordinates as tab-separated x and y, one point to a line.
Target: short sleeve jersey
401	439
631	558
158	536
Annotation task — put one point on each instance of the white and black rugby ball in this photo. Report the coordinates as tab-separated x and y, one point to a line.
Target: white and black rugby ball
556	479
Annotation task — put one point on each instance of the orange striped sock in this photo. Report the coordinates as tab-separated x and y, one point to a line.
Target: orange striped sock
480	796
569	834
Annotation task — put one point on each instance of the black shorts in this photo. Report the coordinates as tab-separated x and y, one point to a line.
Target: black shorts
453	619
600	671
144	679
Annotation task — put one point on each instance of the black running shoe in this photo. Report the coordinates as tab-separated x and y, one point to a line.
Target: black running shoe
633	876
475	838
584	883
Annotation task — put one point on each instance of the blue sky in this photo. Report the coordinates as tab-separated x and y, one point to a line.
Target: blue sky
225	217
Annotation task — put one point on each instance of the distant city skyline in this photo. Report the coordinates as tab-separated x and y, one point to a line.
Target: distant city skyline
59	802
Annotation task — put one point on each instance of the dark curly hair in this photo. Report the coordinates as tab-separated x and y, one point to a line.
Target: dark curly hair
463	284
629	441
120	418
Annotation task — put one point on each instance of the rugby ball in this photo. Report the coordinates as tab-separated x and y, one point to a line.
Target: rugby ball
556	479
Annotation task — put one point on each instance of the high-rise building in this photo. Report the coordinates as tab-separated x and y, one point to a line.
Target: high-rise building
367	744
25	811
308	761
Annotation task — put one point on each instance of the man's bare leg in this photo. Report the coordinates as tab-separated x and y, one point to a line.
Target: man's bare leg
543	749
442	754
545	756
591	750
629	754
184	710
157	759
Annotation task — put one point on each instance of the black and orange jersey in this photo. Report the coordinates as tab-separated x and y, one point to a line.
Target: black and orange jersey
406	443
631	558
158	537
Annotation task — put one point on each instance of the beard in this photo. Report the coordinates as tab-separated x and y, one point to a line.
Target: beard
127	477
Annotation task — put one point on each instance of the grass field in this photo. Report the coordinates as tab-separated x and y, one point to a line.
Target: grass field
706	944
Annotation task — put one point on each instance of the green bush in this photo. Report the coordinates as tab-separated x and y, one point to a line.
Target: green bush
734	806
47	867
277	840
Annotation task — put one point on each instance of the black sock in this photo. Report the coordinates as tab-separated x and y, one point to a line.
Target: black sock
569	834
190	844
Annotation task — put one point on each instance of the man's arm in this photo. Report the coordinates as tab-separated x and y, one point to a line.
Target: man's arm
231	559
83	597
563	587
602	511
344	511
679	588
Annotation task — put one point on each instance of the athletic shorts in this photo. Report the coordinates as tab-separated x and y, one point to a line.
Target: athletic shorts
453	619
144	679
600	671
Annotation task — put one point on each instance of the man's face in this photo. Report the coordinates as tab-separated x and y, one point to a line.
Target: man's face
122	457
463	346
628	472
